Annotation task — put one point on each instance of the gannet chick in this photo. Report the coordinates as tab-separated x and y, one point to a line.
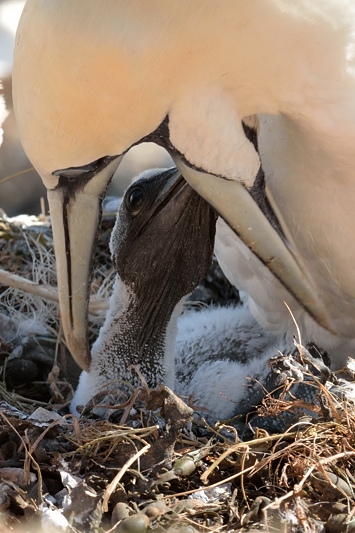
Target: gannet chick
162	246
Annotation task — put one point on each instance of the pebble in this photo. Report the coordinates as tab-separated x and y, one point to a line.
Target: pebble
137	523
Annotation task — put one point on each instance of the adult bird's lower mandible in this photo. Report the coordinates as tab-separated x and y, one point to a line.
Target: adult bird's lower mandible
224	86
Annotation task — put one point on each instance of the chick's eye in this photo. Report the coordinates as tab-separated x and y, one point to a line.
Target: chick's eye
135	198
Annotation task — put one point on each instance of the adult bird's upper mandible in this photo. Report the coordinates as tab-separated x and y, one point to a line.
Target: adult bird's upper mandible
93	78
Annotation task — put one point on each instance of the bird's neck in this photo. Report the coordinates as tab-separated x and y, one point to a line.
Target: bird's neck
271	57
135	334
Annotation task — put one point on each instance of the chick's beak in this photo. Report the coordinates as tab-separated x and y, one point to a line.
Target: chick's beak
234	204
75	209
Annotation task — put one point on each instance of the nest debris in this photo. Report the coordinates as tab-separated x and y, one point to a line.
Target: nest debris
153	466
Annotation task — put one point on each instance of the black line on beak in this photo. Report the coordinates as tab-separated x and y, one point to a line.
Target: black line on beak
71	180
68	255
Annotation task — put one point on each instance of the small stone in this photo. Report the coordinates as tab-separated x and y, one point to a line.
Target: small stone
137	523
120	512
338	524
156	509
184	466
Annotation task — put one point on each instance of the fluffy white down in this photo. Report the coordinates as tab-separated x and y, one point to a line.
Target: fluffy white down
103	368
217	351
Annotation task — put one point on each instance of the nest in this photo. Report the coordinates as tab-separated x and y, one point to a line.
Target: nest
154	466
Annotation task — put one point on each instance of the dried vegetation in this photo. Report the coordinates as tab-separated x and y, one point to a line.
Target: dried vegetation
153	466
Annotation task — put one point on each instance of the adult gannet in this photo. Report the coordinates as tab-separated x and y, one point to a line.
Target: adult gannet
162	246
91	79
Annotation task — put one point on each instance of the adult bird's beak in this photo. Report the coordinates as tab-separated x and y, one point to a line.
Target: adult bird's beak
75	209
235	205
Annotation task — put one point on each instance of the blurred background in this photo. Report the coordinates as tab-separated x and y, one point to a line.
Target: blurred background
22	194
